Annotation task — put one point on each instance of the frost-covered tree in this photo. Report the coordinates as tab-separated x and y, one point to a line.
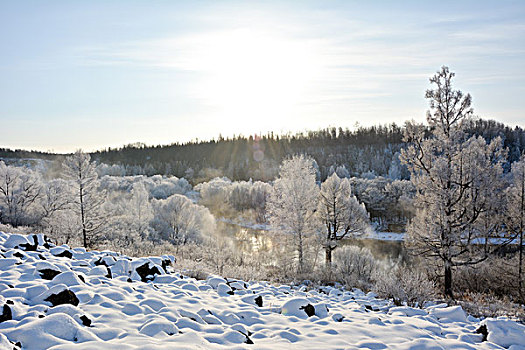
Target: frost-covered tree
449	172
340	213
293	202
55	197
516	214
88	199
56	208
161	187
140	210
20	191
130	216
62	227
180	221
259	195
214	192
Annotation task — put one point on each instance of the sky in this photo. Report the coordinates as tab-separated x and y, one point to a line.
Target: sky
97	74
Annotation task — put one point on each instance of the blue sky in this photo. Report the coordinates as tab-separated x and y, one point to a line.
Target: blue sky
94	74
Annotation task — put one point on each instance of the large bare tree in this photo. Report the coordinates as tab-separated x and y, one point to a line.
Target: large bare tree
516	214
452	175
88	199
341	214
293	202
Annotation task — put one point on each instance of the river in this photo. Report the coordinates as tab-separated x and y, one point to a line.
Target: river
251	240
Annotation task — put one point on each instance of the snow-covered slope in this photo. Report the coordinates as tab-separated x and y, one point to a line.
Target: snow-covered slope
105	300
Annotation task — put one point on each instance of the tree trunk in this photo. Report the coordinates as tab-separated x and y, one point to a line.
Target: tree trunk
300	253
328	256
83	219
522	224
520	270
448	280
328	260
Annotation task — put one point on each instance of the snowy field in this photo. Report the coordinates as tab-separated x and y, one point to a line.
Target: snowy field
104	300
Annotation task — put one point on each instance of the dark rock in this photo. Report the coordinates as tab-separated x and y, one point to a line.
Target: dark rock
483	330
6	314
41	316
64	297
10	302
30	247
259	301
85	321
230	292
309	309
339	319
18	345
80	277
48	274
100	261
65	254
108	275
371	308
46	242
41	257
19	255
248	341
146	273
323	290
129	280
165	264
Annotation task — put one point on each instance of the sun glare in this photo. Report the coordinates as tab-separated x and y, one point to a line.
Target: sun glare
254	75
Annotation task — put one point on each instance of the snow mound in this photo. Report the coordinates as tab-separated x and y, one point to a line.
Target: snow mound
298	307
154	327
505	332
50	331
449	314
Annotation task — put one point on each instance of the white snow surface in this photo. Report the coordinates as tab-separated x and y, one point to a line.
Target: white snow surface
171	311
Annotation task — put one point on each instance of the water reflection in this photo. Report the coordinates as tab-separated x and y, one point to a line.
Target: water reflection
248	240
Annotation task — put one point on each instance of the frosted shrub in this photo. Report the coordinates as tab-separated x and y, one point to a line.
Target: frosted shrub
405	285
496	275
354	266
219	252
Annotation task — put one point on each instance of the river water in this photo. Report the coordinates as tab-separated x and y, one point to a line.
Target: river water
249	240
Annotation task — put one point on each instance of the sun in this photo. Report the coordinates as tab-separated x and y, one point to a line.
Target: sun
255	75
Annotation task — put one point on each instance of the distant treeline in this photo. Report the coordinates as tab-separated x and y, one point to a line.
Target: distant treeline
363	152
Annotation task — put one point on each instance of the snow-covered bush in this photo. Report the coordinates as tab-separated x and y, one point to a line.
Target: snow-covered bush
404	284
496	275
354	266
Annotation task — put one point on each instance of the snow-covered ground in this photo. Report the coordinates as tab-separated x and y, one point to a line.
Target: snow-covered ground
384	236
104	300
